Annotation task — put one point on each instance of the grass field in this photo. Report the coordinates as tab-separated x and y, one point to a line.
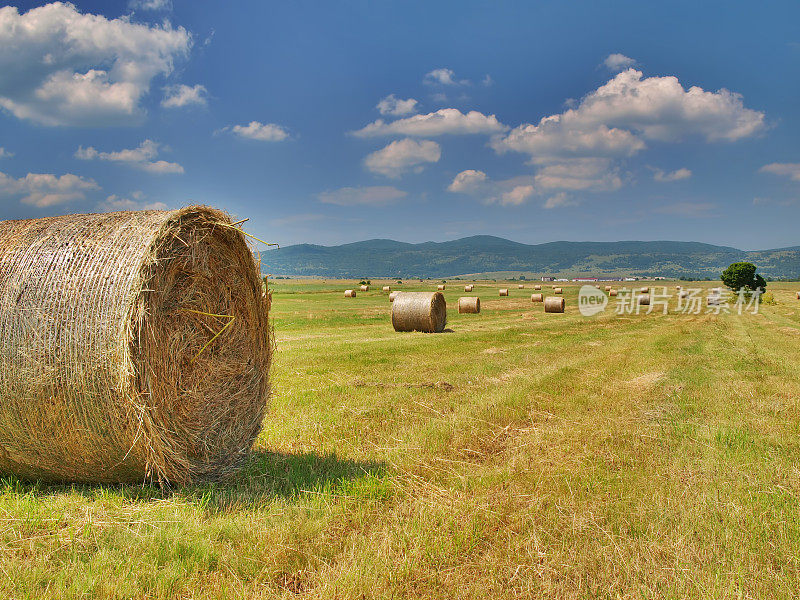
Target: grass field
520	454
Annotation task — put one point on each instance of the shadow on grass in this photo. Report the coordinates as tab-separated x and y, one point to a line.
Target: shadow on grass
266	477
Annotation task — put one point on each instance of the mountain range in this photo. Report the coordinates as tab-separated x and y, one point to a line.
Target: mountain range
485	255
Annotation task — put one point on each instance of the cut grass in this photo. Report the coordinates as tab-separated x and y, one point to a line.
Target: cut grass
523	454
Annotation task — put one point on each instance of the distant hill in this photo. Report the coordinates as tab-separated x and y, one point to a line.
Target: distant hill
484	254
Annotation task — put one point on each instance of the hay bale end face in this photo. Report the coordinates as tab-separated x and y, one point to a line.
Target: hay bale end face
554	305
612	292
558	291
364	288
504	292
440	288
134	347
387	288
469	304
392	296
349	293
537	298
644	300
419	311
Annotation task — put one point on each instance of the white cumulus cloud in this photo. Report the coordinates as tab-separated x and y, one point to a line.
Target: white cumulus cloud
5	153
507	192
790	170
45	189
376	195
262	132
140	157
178	96
62	67
154	5
402	155
467	181
592	174
560	200
618	62
443	76
395	107
444	121
667	176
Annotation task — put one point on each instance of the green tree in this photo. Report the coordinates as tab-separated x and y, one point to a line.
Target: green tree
743	275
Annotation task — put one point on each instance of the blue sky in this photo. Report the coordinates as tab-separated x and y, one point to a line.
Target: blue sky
332	122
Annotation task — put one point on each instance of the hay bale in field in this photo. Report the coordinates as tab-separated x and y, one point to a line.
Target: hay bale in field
537	298
538	286
644	290
440	287
520	286
798	295
349	293
683	294
553	305
364	288
469	304
134	347
419	311
392	296
644	300
468	288
558	291
608	288
386	288
504	291
612	292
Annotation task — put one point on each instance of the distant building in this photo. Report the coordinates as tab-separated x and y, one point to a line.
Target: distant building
548	278
592	279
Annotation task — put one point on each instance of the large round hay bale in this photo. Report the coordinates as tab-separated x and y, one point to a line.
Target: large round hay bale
537	298
608	288
440	287
504	291
392	296
364	288
554	305
134	347
386	288
644	300
419	311
469	287
349	293
558	290
469	304
538	286
612	292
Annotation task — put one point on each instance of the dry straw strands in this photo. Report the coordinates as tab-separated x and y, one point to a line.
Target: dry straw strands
392	296
386	288
537	298
553	305
134	346
558	291
612	292
538	286
349	293
504	291
419	311
469	304
469	287
440	288
364	288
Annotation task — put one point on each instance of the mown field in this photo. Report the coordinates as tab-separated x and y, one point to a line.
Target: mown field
518	455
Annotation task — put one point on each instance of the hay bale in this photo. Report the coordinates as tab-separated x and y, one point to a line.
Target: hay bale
538	286
798	295
608	288
537	298
469	304
386	288
644	300
683	294
553	305
419	311
349	293
558	291
504	291
364	288
468	288
644	290
612	292
134	347
520	286
440	287
392	296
